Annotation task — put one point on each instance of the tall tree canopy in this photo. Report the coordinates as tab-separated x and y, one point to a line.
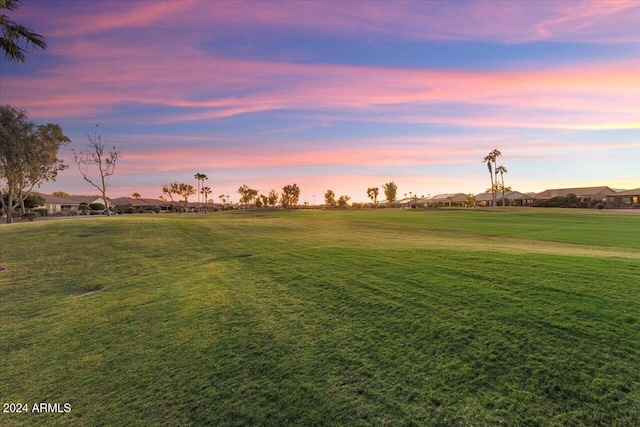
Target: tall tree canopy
330	198
290	195
15	35
28	155
247	195
390	191
372	192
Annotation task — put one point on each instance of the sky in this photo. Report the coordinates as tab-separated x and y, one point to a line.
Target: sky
340	95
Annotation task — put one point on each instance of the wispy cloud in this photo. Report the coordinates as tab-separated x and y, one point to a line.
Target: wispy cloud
162	71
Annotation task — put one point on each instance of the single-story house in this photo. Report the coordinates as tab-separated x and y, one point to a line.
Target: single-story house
624	199
55	204
514	198
584	194
141	204
448	199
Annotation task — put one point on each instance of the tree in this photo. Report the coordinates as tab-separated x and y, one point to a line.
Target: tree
471	200
247	194
343	200
200	177
488	159
373	194
390	190
186	190
501	170
171	189
62	194
95	156
290	195
28	156
272	198
14	35
136	195
205	191
330	198
33	200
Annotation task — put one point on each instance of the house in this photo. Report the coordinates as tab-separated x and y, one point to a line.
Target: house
70	204
55	204
141	204
624	199
513	198
584	194
407	202
447	199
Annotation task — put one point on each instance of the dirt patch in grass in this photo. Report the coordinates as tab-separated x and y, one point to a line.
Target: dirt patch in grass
84	235
83	292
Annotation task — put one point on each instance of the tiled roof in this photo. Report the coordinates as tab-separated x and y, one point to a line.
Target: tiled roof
55	200
634	192
580	192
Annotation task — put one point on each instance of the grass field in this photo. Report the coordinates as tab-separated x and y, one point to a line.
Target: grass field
458	317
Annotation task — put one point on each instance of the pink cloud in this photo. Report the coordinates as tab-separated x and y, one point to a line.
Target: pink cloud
506	22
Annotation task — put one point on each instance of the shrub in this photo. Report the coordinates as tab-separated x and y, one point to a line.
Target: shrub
41	211
83	207
96	206
30	216
129	210
600	206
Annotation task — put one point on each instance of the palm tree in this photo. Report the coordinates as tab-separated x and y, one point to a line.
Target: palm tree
13	34
199	177
488	159
136	195
206	191
494	155
501	170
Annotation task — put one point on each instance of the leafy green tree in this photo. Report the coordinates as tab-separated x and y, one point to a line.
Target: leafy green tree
95	156
170	189
273	198
62	194
343	200
15	35
372	192
471	200
247	195
28	156
186	190
33	200
390	191
290	196
330	198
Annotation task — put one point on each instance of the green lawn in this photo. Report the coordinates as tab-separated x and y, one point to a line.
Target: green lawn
444	317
